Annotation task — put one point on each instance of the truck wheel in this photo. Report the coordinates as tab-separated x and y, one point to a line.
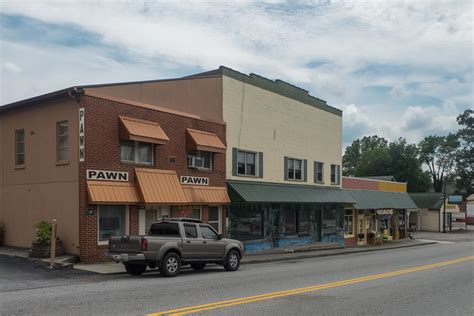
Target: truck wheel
135	269
232	261
198	266
171	265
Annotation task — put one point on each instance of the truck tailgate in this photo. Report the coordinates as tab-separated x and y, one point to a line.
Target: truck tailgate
125	244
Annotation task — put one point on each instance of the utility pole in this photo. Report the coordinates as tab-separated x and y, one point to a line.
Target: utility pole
444	205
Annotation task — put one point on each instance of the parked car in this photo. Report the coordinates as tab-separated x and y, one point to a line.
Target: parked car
173	243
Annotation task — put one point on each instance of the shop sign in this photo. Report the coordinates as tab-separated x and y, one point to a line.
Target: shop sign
455	199
107	175
470	210
385	212
194	180
81	135
458	225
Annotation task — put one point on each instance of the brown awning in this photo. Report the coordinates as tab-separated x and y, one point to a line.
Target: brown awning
141	130
206	195
105	192
159	186
205	141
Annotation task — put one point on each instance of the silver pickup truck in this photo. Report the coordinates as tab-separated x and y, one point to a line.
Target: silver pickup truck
173	243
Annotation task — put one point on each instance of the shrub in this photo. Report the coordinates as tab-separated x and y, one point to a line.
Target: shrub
43	232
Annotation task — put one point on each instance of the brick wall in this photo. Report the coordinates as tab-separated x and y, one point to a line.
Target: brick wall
102	152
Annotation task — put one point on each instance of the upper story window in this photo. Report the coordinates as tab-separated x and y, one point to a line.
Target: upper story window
136	152
335	174
19	147
62	141
200	160
318	172
247	163
295	169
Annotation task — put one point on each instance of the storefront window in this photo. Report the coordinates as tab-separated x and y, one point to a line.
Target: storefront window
246	221
303	222
329	220
111	221
154	213
289	221
189	211
349	223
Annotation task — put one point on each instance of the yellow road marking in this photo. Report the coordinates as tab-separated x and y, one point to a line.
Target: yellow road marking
271	295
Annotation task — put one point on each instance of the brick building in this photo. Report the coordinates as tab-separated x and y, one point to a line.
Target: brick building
105	166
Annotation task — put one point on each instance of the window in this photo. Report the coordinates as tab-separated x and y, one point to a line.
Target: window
246	221
136	152
289	221
62	140
164	229
205	163
20	147
112	221
246	162
348	223
295	169
189	211
318	172
208	233
214	218
190	230
303	222
335	174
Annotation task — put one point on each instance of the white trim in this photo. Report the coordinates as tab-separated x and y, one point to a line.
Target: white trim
141	221
219	217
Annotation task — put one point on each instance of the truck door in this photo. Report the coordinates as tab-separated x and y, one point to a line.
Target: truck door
192	243
213	246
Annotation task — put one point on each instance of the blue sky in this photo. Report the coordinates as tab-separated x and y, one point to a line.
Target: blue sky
396	68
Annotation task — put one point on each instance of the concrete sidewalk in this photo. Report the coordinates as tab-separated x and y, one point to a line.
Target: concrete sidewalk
274	255
64	260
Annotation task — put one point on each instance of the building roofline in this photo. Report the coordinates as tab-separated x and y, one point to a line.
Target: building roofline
40	98
360	178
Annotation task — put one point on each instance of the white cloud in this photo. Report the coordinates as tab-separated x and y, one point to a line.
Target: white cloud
11	67
412	48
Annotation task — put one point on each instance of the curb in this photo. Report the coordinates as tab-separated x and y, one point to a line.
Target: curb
307	256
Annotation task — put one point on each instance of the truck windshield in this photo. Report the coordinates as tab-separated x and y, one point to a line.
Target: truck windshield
164	229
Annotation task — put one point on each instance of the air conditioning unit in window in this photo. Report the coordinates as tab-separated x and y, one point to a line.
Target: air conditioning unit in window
196	162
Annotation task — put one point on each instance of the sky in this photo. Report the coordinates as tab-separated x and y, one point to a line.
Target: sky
395	68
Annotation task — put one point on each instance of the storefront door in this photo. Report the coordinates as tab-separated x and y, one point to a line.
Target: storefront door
274	220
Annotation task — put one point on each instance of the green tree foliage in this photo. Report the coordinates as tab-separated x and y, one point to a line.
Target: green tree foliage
438	153
465	156
357	149
375	156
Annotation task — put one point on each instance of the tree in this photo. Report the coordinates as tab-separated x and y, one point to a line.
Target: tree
465	155
438	153
375	162
357	149
407	167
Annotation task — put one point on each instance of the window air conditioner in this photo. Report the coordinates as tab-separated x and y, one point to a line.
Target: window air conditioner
196	162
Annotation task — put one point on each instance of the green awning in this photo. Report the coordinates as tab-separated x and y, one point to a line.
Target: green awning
262	192
370	200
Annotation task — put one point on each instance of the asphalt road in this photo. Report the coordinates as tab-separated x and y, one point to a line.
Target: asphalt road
428	288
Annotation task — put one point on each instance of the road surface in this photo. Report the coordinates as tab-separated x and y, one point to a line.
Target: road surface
428	280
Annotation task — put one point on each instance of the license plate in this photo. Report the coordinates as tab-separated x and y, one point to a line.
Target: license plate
124	256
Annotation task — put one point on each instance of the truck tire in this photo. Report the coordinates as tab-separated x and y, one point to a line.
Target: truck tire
198	266
171	265
232	261
135	269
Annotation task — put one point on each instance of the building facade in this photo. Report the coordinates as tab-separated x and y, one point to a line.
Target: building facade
381	208
105	166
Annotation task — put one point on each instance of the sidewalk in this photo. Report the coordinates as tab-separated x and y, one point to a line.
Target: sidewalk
278	254
64	260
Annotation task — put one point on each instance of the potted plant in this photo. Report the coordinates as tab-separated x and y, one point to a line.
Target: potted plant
361	236
2	233
41	246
